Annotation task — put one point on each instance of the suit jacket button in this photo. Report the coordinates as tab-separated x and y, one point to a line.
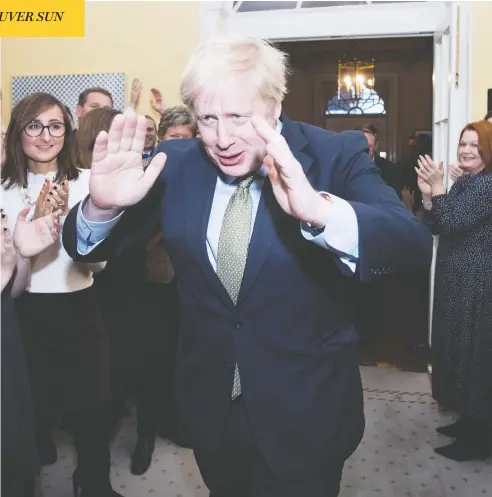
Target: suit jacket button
238	325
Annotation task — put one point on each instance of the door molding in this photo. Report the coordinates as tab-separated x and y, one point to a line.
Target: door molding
345	21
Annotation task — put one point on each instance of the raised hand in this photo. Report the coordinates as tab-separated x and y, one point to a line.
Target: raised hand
135	92
158	105
32	238
118	179
290	186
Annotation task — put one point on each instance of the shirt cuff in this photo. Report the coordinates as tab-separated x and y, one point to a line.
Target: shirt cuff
90	233
341	232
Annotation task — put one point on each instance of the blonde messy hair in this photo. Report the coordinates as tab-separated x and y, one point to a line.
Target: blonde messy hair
218	59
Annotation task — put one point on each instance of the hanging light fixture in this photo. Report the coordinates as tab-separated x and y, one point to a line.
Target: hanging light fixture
354	78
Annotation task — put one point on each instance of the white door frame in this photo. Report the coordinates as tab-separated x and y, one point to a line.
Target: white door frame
395	19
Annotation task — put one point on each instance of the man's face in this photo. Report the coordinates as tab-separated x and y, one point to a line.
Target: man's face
150	135
224	123
94	100
373	146
177	132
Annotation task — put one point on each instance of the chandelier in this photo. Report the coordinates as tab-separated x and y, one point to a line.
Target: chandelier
355	79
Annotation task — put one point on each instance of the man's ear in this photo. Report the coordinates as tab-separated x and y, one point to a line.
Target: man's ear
78	110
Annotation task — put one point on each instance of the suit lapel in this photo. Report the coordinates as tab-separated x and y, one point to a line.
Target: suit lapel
200	189
270	216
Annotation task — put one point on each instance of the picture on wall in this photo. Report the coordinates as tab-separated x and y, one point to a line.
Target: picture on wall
67	87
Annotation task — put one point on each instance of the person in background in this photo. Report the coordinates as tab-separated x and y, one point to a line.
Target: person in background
93	98
157	296
113	285
150	140
66	344
98	119
316	213
462	315
389	170
455	171
151	128
176	122
20	463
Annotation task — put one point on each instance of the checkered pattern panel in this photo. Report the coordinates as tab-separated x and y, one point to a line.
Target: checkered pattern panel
67	87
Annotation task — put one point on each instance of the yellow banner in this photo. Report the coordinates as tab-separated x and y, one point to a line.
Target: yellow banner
42	18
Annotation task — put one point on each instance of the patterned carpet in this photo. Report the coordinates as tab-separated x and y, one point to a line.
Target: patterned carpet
395	458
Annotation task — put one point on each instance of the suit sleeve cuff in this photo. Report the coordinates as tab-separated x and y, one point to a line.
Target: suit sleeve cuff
90	233
341	232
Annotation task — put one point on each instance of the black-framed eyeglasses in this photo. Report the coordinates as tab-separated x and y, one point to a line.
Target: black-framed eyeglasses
56	129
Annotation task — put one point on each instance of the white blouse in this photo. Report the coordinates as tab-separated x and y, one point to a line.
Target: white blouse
52	271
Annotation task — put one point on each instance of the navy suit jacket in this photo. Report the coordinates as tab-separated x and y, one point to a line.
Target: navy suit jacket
291	331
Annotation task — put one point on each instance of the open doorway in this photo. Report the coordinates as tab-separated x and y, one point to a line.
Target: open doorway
391	314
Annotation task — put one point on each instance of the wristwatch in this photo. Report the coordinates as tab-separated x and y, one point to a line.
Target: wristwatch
315	230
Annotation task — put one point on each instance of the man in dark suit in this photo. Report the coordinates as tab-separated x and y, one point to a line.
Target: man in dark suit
265	220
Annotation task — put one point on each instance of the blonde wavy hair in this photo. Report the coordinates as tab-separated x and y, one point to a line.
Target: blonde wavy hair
222	58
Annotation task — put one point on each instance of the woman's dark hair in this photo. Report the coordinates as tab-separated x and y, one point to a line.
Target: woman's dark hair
90	126
14	170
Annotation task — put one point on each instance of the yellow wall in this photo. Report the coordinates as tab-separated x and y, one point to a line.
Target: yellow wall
481	77
148	40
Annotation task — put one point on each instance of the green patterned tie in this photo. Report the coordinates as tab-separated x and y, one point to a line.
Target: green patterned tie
233	248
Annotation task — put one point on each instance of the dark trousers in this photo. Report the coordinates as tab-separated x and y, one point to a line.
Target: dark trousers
67	352
154	345
142	319
238	469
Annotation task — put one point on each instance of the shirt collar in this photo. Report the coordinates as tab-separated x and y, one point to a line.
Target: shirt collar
261	170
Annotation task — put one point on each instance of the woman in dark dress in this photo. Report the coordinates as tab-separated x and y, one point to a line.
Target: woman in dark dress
462	317
19	453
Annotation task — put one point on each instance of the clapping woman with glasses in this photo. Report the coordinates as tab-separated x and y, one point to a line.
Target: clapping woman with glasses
66	344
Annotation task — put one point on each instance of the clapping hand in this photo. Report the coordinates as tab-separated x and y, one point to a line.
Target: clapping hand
31	238
51	199
9	256
290	186
431	173
455	172
118	178
43	207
